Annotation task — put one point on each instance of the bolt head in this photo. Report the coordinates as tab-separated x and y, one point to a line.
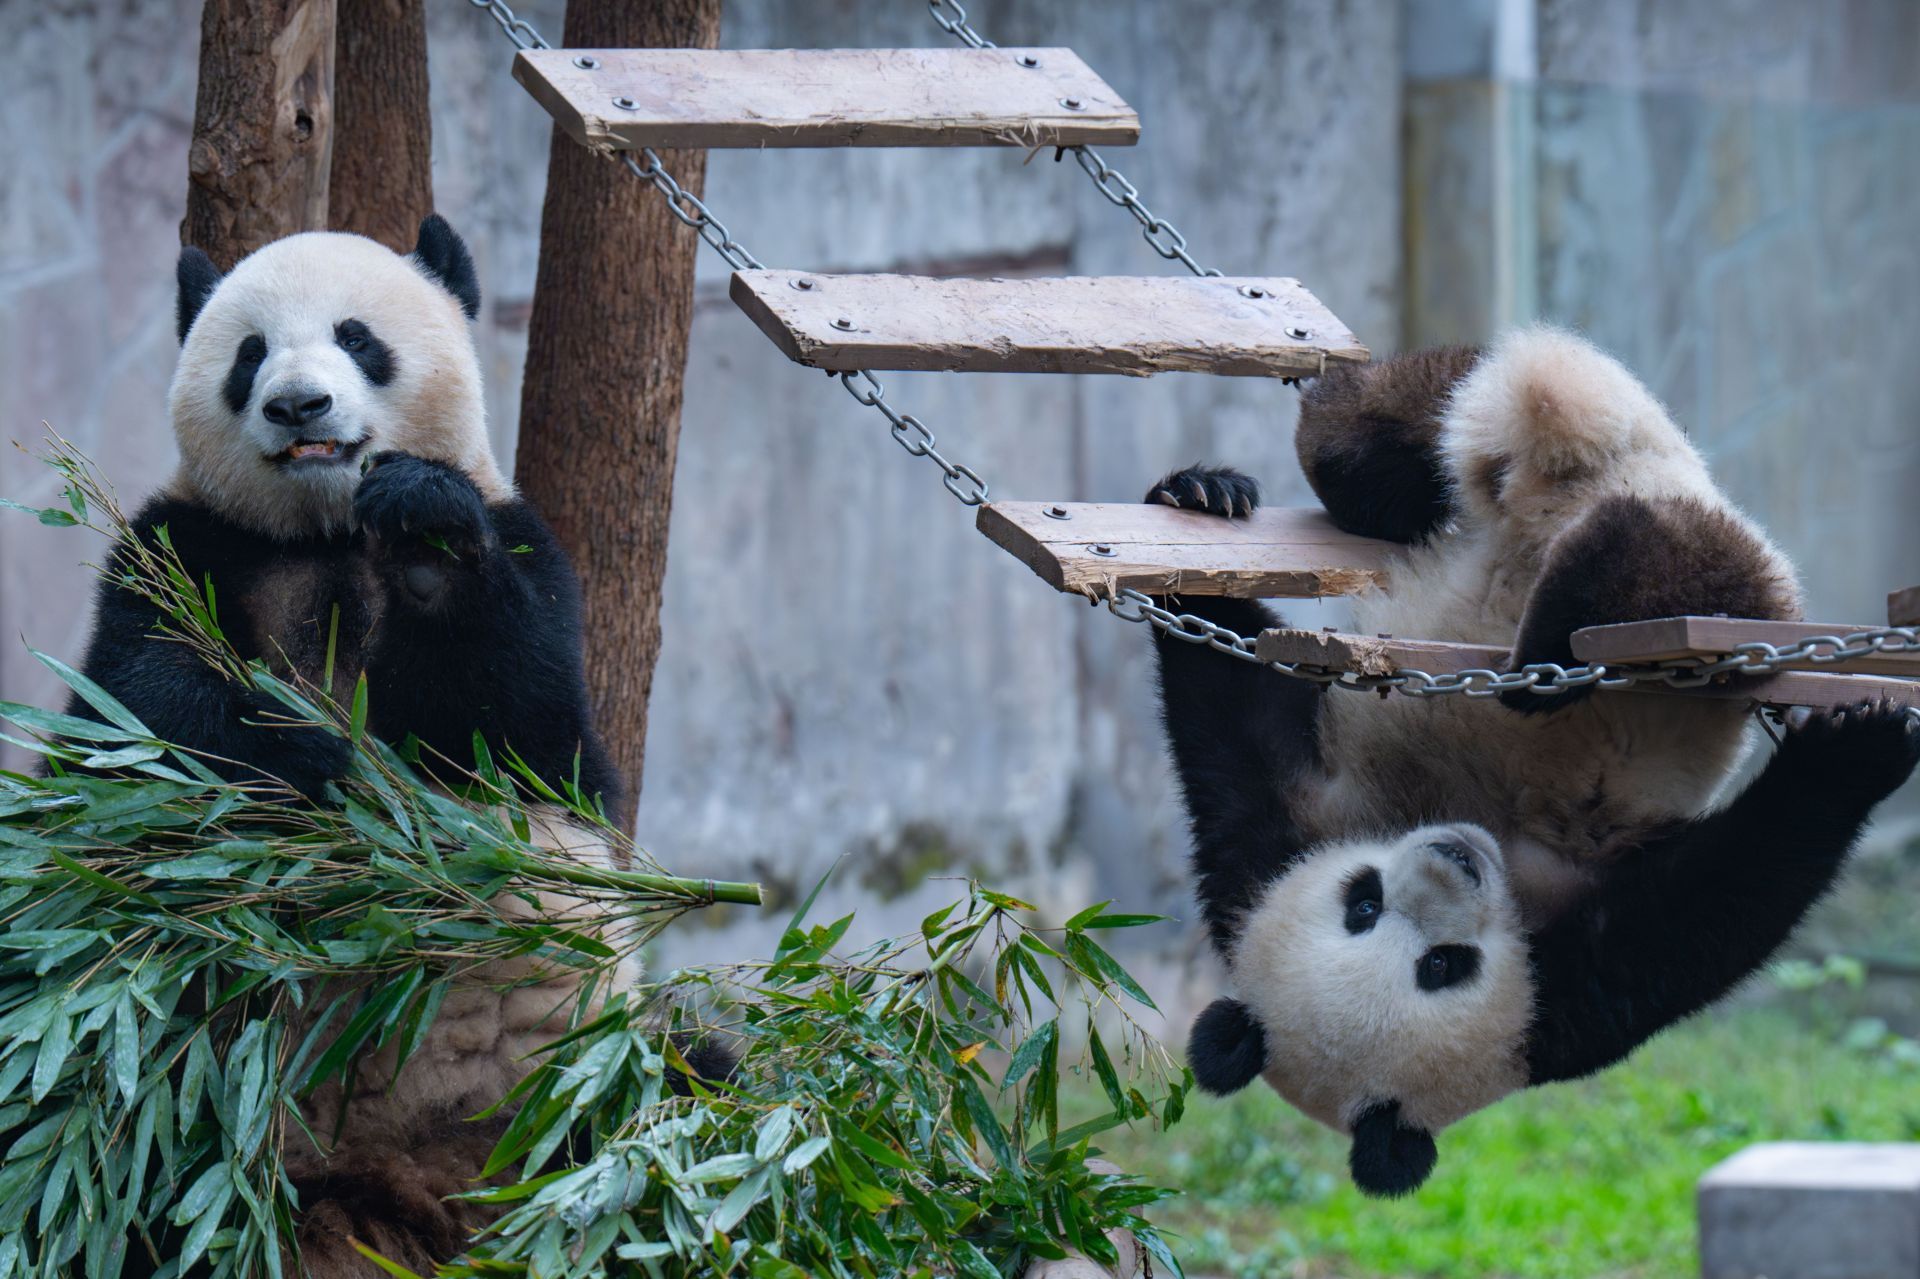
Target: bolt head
587	62
1028	60
1058	513
1253	291
626	104
844	324
801	283
1297	333
1073	104
1102	549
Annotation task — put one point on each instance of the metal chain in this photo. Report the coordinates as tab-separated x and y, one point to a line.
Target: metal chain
1544	679
1165	238
962	481
518	29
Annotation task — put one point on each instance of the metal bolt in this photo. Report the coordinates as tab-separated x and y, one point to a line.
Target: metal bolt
1073	104
844	324
1028	60
626	104
1104	551
1297	333
802	283
1058	513
587	62
1253	291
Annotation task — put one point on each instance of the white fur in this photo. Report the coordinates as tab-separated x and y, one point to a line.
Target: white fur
1544	426
292	293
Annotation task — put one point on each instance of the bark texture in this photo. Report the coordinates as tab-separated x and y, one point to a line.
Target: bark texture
383	137
262	125
606	362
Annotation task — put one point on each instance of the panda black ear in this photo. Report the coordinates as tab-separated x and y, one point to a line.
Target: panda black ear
1227	1048
1389	1159
444	254
197	277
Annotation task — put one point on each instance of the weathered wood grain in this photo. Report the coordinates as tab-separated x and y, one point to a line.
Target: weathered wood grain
825	98
1138	325
1903	607
1277	552
1376	655
1666	638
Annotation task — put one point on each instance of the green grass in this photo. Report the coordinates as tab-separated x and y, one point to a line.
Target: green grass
1578	1180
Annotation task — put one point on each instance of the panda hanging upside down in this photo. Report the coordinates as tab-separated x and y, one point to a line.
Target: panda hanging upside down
334	463
1425	904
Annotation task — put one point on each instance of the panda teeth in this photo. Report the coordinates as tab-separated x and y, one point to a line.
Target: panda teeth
314	448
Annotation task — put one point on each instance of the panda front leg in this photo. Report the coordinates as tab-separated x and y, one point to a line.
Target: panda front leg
1684	919
483	632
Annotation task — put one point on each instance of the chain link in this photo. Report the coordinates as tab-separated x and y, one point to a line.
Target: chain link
1163	236
518	29
1544	679
912	434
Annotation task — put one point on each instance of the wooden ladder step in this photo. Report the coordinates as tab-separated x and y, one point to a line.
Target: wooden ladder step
1903	607
1385	655
1099	548
1666	638
1139	325
625	99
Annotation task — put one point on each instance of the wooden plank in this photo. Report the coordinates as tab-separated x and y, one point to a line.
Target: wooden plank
1137	325
1376	655
1099	548
1663	639
1903	607
625	99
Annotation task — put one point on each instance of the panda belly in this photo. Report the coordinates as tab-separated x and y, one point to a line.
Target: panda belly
478	1047
1564	792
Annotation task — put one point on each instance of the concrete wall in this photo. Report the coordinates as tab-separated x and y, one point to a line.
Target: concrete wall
875	681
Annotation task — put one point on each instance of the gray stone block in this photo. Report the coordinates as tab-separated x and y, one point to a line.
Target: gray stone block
1812	1210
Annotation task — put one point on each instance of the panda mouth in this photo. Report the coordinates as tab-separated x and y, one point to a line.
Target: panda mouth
306	453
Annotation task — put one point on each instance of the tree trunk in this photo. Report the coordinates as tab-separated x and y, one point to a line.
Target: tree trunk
383	145
262	125
606	363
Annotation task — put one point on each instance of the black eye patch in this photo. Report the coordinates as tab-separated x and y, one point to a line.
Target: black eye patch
1366	899
238	388
1445	966
374	357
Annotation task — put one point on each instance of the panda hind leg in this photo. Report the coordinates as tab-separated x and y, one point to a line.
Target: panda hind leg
1369	442
393	1199
1630	560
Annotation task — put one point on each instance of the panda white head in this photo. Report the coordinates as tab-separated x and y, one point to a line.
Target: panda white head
1385	990
316	352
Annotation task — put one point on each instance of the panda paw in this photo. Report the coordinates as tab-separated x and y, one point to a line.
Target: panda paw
1216	490
405	501
305	758
1867	750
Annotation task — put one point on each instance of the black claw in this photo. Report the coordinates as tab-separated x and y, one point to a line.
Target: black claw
1215	490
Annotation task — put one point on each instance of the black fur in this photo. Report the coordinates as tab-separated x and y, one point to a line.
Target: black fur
495	648
1389	1159
247	358
1216	490
1238	733
197	278
444	254
1690	915
1368	441
1226	1049
1629	560
375	357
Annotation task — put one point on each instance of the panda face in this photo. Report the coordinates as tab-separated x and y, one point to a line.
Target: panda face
1385	987
316	352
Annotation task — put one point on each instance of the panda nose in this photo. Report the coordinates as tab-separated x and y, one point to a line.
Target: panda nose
296	410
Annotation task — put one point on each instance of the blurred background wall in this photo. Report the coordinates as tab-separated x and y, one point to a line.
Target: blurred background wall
1721	191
